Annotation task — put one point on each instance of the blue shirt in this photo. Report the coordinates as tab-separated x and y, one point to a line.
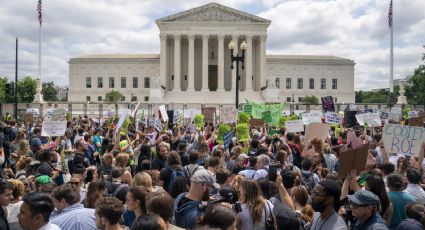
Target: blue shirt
97	139
399	200
75	217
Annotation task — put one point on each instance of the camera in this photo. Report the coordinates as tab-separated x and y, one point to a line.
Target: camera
228	195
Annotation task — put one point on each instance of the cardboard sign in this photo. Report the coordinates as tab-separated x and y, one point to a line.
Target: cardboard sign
404	140
29	118
371	119
353	140
352	159
328	104
53	128
256	122
209	113
312	117
416	121
228	114
332	118
294	126
316	130
163	112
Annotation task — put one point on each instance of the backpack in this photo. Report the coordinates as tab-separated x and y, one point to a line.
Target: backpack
308	181
174	174
190	174
32	168
296	156
118	189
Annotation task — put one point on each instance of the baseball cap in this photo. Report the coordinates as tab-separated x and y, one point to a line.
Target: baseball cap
202	176
44	180
364	197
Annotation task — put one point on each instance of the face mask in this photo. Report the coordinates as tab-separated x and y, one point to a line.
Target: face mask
319	207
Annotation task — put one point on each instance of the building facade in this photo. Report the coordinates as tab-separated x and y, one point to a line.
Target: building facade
194	65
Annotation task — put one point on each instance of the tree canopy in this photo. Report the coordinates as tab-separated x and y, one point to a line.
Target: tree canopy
49	91
311	100
415	90
113	96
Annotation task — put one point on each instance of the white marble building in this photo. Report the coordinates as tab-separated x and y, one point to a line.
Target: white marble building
194	65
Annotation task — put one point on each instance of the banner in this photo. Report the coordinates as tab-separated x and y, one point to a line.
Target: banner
53	128
332	118
352	159
209	113
199	120
228	114
312	117
316	130
242	132
267	117
328	104
406	140
369	119
294	126
275	112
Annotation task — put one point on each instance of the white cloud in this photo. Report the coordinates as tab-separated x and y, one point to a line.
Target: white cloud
354	29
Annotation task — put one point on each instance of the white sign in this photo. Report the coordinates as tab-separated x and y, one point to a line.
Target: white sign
405	140
176	116
53	128
228	114
393	117
332	118
158	125
58	113
312	117
413	114
294	126
133	114
372	119
163	112
396	110
33	111
189	113
123	115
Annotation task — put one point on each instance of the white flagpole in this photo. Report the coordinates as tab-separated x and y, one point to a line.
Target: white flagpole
391	51
38	97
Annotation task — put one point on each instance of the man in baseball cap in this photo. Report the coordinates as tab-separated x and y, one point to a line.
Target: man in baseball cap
187	205
365	208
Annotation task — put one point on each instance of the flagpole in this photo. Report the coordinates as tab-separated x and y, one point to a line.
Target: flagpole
391	50
38	98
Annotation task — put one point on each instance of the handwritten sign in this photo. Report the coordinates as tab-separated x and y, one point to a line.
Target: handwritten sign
209	113
294	126
53	128
228	114
371	119
352	159
405	140
312	117
332	118
316	130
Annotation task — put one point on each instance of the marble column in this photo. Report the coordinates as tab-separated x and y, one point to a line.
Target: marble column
248	63
205	62
220	63
263	77
191	64
163	60
177	83
235	39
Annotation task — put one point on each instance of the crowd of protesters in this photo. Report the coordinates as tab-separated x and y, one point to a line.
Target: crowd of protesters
97	177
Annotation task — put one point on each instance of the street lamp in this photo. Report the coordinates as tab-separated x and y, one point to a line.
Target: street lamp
238	58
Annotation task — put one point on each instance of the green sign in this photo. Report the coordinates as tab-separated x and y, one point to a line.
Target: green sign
199	120
222	130
274	109
242	132
247	108
243	117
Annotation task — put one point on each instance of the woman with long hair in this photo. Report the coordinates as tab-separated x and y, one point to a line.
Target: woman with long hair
24	149
121	161
95	190
299	195
145	180
375	184
136	201
256	210
166	174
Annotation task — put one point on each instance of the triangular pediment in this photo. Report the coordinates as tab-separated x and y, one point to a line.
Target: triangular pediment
213	12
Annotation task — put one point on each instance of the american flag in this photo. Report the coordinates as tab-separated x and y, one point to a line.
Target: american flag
390	15
39	10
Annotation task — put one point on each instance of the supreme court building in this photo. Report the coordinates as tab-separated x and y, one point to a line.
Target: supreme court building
194	65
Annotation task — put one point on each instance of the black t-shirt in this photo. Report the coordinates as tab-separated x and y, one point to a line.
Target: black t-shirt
158	163
80	159
184	158
45	169
121	195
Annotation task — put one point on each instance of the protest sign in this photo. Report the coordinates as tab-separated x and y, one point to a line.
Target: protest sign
192	128
396	110
33	111
125	125
199	120
267	117
176	116
123	115
312	117
256	122
247	108
228	114
404	140
369	119
29	118
352	159
152	137
209	113
158	125
53	128
222	130
394	117
58	113
294	126
243	117
163	112
328	104
316	130
275	111
413	114
332	118
416	121
133	114
353	140
242	132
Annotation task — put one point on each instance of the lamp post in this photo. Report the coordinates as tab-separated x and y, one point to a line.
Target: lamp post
237	58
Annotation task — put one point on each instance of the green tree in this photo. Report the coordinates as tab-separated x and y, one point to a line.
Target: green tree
113	96
415	91
26	89
49	91
380	96
3	82
311	100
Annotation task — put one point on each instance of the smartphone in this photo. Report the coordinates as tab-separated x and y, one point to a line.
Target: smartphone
272	172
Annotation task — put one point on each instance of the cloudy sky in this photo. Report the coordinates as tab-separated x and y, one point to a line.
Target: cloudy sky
353	29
